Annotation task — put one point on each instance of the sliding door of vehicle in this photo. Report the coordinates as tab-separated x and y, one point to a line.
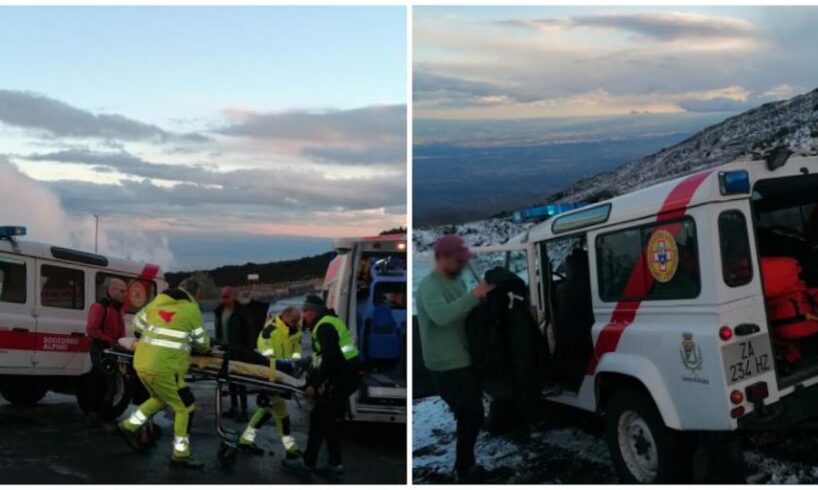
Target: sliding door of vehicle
17	323
63	300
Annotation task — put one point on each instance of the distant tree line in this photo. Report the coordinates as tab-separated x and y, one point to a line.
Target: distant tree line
394	231
236	275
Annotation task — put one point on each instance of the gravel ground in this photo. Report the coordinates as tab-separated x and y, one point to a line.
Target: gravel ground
52	443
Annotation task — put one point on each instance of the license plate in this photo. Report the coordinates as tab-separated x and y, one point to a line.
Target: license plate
747	359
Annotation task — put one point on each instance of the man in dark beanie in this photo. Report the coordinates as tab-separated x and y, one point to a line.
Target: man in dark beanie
334	376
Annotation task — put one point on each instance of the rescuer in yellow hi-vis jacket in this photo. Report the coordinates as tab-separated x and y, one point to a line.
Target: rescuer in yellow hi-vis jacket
280	339
169	328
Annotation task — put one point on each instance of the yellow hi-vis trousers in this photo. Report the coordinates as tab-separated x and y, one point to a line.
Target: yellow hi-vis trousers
166	390
278	411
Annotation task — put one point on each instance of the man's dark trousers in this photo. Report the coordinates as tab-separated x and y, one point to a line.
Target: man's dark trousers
460	390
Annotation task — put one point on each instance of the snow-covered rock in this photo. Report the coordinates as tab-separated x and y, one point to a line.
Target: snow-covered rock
792	123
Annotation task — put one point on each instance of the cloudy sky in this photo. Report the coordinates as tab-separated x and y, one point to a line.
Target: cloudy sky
261	131
519	62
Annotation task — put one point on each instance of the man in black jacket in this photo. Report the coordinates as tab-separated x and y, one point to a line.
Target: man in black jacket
234	327
334	377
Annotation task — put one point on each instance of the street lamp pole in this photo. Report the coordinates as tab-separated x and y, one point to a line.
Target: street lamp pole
96	234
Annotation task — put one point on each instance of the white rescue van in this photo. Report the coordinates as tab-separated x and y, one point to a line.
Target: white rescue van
365	272
653	308
45	294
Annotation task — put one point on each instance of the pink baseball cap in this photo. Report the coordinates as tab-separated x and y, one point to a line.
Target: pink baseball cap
454	246
226	292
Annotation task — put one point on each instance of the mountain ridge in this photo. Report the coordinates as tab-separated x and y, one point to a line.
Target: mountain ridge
792	123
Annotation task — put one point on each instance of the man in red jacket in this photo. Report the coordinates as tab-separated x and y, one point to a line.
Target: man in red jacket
105	326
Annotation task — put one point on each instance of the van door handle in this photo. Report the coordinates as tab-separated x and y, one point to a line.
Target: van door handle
20	329
78	334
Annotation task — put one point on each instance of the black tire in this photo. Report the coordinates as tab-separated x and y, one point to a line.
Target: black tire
91	394
23	394
655	454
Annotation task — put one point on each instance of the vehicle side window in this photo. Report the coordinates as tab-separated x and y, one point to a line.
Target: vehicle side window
650	262
138	293
12	281
62	287
736	261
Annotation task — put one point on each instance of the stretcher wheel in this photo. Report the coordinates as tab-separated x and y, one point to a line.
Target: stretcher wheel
228	454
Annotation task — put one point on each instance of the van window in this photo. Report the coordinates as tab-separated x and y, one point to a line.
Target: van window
137	295
736	261
12	281
62	287
515	261
650	262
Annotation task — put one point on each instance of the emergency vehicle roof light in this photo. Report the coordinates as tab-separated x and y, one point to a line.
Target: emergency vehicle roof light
734	182
8	232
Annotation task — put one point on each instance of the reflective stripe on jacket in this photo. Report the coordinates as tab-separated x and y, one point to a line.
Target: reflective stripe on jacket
275	340
170	327
345	341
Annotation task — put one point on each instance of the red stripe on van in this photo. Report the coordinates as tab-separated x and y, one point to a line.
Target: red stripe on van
45	342
674	207
149	272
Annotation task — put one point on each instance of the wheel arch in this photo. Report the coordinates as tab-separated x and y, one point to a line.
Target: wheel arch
620	370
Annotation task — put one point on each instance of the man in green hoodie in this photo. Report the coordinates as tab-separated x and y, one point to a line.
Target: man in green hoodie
443	303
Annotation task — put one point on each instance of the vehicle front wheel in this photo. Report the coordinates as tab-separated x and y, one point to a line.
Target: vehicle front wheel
23	394
643	449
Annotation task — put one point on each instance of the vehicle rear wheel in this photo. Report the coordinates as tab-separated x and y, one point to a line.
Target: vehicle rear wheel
643	449
23	394
110	394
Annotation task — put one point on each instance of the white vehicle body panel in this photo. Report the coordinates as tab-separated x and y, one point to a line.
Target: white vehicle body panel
648	348
41	340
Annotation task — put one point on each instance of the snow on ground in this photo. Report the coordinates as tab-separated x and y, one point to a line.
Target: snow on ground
569	447
494	231
553	454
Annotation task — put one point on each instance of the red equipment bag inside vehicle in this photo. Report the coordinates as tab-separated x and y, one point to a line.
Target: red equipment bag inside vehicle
782	275
793	308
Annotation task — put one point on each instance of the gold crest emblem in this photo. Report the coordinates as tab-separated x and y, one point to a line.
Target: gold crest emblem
691	353
663	256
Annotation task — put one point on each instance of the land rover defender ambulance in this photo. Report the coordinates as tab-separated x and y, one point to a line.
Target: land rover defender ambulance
45	294
659	310
365	267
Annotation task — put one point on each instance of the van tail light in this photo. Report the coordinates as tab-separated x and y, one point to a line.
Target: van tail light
737	412
736	397
757	392
725	333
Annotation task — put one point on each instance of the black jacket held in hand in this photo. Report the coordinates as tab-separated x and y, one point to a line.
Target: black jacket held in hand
508	351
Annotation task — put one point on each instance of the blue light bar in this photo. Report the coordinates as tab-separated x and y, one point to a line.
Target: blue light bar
734	182
12	231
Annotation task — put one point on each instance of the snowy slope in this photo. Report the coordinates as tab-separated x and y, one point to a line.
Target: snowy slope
792	122
569	447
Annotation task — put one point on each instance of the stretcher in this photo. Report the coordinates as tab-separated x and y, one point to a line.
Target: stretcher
278	379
